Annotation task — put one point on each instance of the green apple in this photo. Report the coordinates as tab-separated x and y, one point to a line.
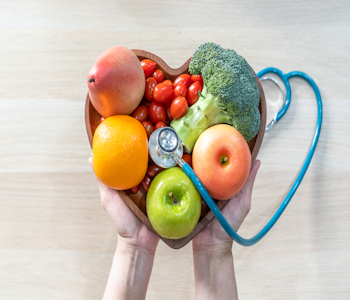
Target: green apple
173	204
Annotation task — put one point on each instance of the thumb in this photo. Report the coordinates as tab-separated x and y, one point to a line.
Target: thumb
104	190
122	217
246	193
252	175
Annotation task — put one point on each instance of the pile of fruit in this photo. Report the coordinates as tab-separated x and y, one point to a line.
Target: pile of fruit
213	120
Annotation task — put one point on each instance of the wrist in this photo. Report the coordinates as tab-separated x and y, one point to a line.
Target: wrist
214	273
212	257
126	247
132	267
219	249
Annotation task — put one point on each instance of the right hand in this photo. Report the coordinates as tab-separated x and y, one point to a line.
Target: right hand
213	238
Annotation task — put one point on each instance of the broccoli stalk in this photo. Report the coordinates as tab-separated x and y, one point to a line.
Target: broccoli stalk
203	114
230	95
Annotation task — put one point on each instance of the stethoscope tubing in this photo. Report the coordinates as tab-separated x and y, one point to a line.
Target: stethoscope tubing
210	202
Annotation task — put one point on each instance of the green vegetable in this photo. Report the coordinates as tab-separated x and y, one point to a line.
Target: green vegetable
230	95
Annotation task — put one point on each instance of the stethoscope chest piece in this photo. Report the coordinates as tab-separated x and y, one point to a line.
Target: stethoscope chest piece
165	147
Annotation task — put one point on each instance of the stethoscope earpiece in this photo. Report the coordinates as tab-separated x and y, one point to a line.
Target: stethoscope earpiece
283	101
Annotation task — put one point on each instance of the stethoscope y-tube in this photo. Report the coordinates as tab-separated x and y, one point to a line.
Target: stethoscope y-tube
210	202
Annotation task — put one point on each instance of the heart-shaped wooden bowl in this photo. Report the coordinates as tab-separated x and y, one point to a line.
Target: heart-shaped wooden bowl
137	202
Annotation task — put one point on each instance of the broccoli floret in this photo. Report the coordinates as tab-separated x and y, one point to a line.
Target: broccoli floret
203	54
247	123
230	95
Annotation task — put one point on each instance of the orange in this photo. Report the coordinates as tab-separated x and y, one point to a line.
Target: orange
120	152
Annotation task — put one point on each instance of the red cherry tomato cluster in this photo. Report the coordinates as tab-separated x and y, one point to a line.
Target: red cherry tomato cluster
164	92
164	101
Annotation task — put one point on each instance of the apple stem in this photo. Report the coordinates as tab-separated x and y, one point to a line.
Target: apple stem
92	80
225	159
172	196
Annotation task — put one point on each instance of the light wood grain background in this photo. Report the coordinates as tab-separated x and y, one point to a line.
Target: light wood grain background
56	241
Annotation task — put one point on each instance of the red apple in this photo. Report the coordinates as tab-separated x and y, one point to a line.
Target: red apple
221	159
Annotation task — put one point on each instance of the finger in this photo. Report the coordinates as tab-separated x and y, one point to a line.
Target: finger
103	189
105	192
251	178
245	198
116	208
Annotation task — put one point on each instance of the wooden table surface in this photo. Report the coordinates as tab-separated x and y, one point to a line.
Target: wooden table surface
56	241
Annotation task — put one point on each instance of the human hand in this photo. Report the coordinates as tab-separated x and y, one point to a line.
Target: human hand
213	238
212	248
132	232
133	260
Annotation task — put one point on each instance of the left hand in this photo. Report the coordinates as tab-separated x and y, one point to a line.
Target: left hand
132	232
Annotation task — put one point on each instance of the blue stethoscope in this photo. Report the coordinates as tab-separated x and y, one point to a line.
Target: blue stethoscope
166	151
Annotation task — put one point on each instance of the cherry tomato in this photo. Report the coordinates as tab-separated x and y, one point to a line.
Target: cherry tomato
195	78
180	90
184	78
135	189
102	119
158	75
153	170
149	120
160	125
141	113
144	101
150	84
157	112
178	107
149	128
167	108
168	82
146	182
162	92
148	67
192	93
187	158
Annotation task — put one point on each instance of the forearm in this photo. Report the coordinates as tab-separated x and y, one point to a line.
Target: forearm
130	273
214	276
